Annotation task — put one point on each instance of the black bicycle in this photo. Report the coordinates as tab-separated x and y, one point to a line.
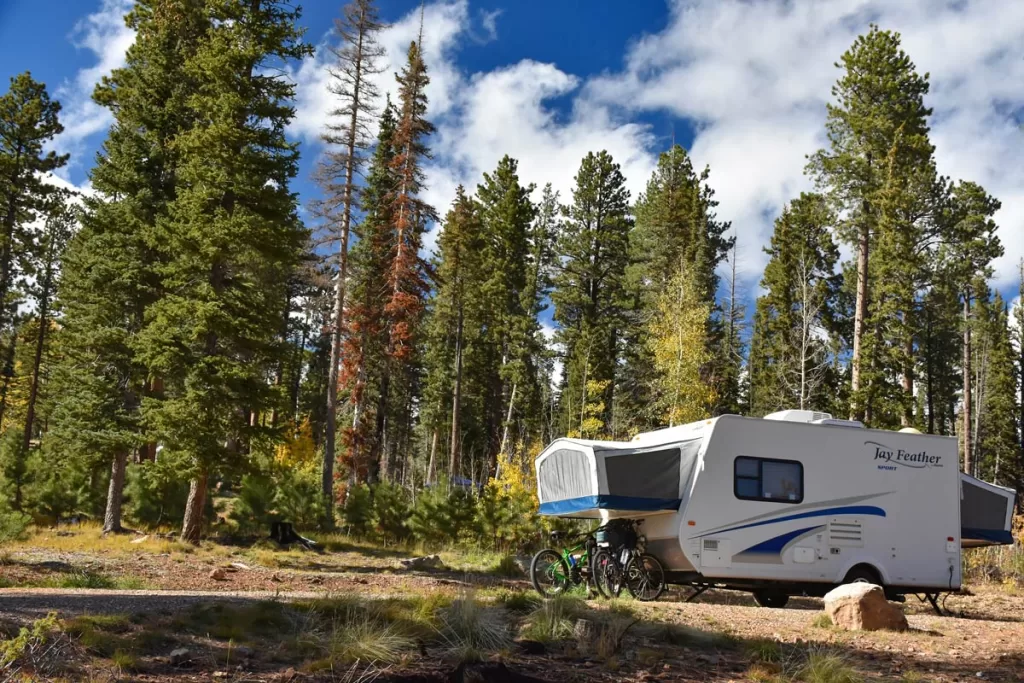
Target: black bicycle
621	561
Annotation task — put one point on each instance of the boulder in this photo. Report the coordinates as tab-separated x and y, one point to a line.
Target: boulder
218	574
863	607
419	563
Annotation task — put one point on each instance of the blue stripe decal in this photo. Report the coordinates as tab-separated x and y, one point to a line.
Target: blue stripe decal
994	536
634	503
846	510
775	546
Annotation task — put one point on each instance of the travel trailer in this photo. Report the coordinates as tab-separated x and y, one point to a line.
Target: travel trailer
793	503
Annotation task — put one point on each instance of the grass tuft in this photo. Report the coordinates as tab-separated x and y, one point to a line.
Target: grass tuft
553	620
369	641
516	600
828	667
467	627
823	620
124	661
766	651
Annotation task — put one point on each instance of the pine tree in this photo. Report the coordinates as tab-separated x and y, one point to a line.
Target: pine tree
57	230
507	214
454	336
365	364
589	289
407	273
29	120
880	101
348	137
997	454
793	340
233	240
675	224
970	245
110	276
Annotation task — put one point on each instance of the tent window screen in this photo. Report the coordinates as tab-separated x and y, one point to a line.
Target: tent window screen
644	475
778	481
565	474
981	509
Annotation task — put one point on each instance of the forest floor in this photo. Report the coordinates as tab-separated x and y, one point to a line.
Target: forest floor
154	610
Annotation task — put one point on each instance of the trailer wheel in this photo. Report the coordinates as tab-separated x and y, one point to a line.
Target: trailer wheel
863	573
773	598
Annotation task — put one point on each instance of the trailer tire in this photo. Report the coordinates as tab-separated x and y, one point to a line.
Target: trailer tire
771	598
863	573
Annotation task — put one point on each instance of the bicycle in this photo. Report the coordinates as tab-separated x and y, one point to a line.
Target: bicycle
552	572
623	561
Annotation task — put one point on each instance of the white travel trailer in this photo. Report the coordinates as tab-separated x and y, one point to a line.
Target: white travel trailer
794	503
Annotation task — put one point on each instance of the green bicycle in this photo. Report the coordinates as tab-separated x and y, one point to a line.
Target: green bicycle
553	572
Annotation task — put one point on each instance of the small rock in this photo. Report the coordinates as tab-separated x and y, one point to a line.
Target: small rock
218	574
276	577
980	674
140	539
362	581
240	565
180	657
220	674
243	652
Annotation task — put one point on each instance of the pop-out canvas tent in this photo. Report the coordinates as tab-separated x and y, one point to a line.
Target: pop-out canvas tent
986	513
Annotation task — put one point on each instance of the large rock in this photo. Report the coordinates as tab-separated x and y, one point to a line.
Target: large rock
863	607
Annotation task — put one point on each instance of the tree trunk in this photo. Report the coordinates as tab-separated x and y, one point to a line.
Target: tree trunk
907	417
8	373
508	422
330	438
115	494
192	527
37	360
967	386
456	442
929	369
859	318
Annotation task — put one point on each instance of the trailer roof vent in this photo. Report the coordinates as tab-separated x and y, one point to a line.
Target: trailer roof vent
798	416
857	424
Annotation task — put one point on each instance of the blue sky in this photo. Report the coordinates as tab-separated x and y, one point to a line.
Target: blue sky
743	84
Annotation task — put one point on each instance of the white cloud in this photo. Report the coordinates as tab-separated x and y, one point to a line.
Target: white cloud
754	78
105	35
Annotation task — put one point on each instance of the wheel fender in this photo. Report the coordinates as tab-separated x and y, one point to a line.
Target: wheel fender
862	559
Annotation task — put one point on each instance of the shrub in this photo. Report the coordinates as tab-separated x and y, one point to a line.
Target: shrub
298	496
30	639
156	492
13	525
59	488
439	517
390	511
253	508
358	511
13	468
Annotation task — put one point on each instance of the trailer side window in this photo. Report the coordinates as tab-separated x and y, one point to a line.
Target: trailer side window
780	481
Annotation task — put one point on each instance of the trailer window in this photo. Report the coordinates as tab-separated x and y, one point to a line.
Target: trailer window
780	481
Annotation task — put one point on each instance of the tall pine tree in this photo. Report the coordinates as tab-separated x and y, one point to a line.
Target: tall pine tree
110	270
232	241
589	291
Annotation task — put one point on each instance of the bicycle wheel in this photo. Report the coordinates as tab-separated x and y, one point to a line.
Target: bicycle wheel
549	573
607	574
645	578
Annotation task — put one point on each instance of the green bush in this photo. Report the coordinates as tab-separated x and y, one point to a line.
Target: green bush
390	511
13	525
443	518
13	468
58	489
156	492
253	509
358	511
298	497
